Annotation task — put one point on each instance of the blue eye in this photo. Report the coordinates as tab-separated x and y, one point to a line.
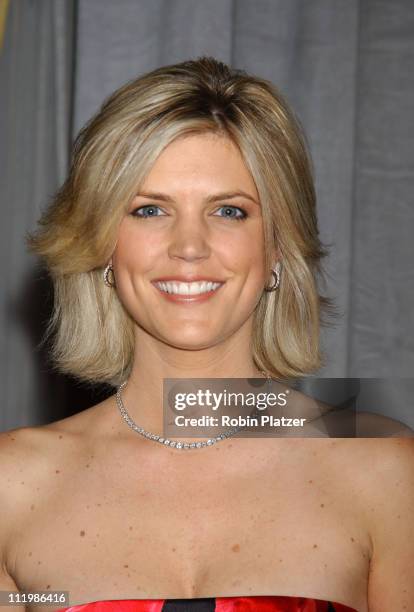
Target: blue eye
229	210
149	209
152	210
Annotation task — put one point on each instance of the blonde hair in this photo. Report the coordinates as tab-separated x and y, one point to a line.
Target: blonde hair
92	332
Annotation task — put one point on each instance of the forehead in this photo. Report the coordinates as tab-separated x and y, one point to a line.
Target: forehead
200	161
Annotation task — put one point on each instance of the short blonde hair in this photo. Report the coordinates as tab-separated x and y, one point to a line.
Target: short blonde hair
92	332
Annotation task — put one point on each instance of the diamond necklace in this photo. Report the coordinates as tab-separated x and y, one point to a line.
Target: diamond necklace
173	443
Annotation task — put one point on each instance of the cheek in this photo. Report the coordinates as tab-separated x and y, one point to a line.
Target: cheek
245	254
136	248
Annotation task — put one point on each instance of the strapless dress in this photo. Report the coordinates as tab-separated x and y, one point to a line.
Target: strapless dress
213	604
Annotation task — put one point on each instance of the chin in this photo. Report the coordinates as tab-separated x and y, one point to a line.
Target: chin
190	339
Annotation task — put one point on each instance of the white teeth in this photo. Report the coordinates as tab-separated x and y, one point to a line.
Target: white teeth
195	288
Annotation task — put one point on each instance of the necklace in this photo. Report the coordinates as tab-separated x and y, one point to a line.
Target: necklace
180	445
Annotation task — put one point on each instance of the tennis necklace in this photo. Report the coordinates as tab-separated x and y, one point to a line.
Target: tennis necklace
180	445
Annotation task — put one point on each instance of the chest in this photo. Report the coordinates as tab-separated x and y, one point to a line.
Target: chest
192	533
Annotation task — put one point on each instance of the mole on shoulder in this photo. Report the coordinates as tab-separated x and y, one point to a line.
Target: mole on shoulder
82	533
235	547
315	546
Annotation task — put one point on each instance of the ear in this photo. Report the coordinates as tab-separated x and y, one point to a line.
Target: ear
277	256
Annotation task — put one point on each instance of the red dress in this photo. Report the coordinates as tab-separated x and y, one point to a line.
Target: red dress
213	604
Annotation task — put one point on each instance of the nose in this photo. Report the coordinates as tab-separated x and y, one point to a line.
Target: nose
189	240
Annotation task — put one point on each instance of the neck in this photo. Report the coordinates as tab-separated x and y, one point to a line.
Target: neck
155	361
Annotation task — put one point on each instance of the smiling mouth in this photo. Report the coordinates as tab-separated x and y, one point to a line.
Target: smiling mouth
188	290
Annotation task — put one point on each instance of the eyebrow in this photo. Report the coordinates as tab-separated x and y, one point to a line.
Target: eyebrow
227	195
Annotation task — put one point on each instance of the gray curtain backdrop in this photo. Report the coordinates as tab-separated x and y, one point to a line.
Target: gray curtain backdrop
346	68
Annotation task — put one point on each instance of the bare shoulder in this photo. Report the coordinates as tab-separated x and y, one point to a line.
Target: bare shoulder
386	496
37	442
373	425
382	471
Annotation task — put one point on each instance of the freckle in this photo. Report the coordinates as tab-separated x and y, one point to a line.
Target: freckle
322	505
82	533
130	528
22	482
30	554
173	549
352	540
236	548
325	565
280	560
57	471
32	507
48	586
87	507
87	465
310	480
99	504
315	546
39	562
126	565
398	515
60	436
251	517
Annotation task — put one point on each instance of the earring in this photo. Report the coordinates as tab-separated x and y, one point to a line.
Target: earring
109	270
276	276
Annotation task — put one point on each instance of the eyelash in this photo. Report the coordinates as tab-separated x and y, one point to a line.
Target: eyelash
239	218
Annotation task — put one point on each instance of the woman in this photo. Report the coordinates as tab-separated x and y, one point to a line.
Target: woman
195	174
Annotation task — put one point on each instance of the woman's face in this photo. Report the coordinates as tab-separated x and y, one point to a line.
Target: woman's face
196	217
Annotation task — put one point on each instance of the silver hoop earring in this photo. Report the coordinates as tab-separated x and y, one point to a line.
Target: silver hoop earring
109	271
276	276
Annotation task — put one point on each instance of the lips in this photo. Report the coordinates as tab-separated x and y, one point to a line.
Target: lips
196	290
